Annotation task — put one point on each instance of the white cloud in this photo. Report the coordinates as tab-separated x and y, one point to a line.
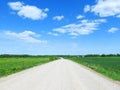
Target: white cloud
16	5
105	8
32	12
113	30
85	27
59	18
54	34
87	8
46	9
28	11
80	17
27	36
118	16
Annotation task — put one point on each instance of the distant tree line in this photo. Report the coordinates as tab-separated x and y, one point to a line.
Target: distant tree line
9	55
101	55
60	56
25	55
91	55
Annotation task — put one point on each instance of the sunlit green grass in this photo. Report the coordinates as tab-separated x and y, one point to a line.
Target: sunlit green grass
15	64
108	66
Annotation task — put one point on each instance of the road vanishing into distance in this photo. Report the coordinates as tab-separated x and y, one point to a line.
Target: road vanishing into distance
57	75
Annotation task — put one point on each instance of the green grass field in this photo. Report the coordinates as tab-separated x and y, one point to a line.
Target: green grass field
11	65
108	66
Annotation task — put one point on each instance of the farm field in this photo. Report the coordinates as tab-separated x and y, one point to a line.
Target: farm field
10	65
108	66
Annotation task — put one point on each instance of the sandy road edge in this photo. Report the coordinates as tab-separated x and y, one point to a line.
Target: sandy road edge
99	74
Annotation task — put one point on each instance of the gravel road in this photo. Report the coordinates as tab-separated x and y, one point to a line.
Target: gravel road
57	75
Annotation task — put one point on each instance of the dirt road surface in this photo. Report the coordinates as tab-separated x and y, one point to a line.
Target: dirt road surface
57	75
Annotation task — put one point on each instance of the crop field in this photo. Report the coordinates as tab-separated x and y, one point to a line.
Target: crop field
108	66
9	65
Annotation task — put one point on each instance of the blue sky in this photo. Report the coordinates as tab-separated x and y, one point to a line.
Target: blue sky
59	27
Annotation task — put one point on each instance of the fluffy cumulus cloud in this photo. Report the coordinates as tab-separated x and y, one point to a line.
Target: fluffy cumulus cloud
85	27
58	18
79	17
113	30
27	36
28	11
53	34
46	9
16	5
105	8
87	8
118	16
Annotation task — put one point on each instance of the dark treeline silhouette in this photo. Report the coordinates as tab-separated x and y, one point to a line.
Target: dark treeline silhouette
92	55
25	55
10	55
101	55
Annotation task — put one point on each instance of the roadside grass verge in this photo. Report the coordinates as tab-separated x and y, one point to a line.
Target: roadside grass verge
12	65
108	66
